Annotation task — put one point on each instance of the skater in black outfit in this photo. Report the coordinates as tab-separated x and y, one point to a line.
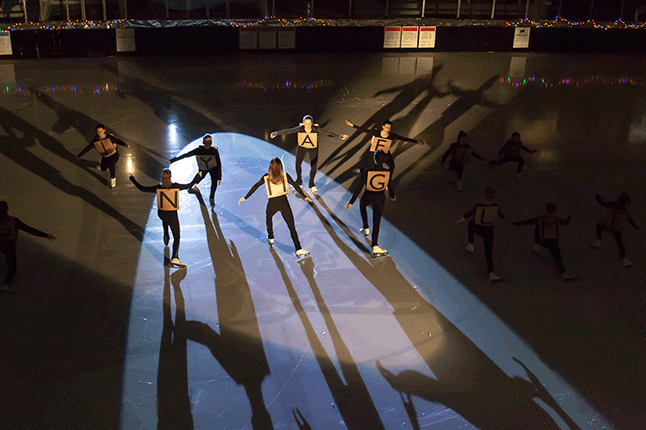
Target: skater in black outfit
307	144
460	153
546	234
276	184
483	216
511	152
167	207
376	179
208	161
105	145
9	227
383	139
614	221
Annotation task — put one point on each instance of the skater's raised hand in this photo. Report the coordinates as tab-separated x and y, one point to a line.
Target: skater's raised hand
347	122
421	142
308	200
349	206
394	198
51	237
273	134
127	146
344	136
241	200
219	181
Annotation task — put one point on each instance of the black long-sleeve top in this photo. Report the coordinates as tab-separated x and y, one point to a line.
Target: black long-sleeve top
262	182
550	219
202	150
364	181
9	227
376	132
473	211
457	145
512	149
154	188
115	141
301	129
616	205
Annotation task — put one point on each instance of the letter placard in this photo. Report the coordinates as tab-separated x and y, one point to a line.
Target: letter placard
286	38
168	199
206	162
377	181
380	143
5	43
392	37
308	140
409	37
248	38
276	190
521	37
486	215
427	37
105	147
125	40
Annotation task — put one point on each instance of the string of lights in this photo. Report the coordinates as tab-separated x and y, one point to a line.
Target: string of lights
588	80
96	89
264	86
559	22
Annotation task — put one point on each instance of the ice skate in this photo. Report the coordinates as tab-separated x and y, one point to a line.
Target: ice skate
495	278
518	177
536	247
176	263
270	240
314	190
7	289
365	231
469	247
568	278
626	262
98	166
301	253
459	185
212	202
378	252
113	182
596	243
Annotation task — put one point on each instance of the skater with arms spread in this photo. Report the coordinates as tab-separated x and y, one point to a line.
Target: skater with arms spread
614	221
105	145
167	207
376	179
460	152
307	134
208	161
511	152
276	184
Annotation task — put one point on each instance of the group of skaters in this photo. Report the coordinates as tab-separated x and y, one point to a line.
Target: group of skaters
376	179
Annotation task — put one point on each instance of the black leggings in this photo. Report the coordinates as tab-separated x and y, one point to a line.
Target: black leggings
300	156
552	246
518	159
458	167
214	182
487	236
170	219
280	204
110	163
9	251
376	199
618	238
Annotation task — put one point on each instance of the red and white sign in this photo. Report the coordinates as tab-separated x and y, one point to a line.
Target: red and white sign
409	37
427	37
392	37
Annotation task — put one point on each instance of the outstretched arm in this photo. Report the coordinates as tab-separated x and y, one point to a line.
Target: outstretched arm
143	188
630	220
285	131
362	183
601	201
180	157
85	150
532	221
34	232
118	141
395	136
253	189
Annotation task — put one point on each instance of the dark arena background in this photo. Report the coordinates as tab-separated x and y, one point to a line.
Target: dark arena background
98	331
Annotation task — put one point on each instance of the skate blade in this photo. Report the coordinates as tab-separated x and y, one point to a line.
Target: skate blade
300	257
381	254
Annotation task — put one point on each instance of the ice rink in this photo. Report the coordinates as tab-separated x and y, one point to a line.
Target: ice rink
102	335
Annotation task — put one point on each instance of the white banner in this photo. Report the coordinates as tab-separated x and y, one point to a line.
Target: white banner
267	38
5	43
409	37
521	37
427	37
248	38
125	39
287	38
392	37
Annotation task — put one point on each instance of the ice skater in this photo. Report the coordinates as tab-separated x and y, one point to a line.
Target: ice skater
614	221
307	135
481	222
9	227
460	152
383	139
105	145
208	161
511	152
167	207
546	234
276	184
376	180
